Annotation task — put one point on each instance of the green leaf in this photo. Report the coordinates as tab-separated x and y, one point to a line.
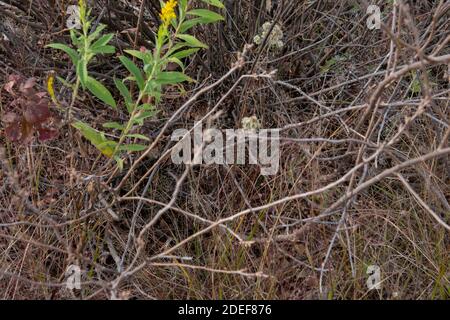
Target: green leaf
100	91
74	37
207	15
415	86
138	136
185	53
65	83
183	4
94	35
177	61
176	47
114	125
148	68
119	162
70	52
82	72
125	94
188	24
139	119
144	56
146	107
104	49
154	89
89	133
108	148
134	70
133	147
216	3
97	138
192	41
172	77
104	40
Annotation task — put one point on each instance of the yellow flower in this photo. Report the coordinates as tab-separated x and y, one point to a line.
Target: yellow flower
50	89
168	12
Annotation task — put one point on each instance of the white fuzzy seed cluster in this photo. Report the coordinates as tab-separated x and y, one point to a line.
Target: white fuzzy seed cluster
73	21
275	39
250	123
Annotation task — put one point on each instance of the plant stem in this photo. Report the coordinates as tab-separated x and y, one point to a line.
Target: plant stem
74	97
156	65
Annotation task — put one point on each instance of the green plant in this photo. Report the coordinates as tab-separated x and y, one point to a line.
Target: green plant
172	44
88	46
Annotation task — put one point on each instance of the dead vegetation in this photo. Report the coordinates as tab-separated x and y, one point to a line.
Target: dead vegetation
364	169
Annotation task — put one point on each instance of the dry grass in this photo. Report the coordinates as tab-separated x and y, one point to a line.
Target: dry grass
218	232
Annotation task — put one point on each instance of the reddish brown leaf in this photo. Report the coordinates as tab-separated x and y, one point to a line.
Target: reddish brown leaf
37	113
41	95
47	134
31	112
19	131
27	87
28	84
12	80
13	131
10	117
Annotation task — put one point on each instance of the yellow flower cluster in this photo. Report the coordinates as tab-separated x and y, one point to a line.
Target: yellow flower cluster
168	12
